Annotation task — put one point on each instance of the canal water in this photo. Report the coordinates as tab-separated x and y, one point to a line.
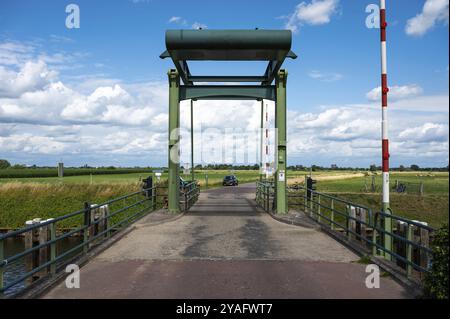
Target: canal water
16	269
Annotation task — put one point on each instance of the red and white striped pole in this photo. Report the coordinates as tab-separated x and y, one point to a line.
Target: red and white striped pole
384	126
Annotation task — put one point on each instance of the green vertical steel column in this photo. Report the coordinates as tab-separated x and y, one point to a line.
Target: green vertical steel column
174	120
280	120
261	143
192	140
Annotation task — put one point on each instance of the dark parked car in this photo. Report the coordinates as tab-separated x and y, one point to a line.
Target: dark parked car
230	180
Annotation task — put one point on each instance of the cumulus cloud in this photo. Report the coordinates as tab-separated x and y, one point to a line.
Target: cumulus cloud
396	92
31	77
317	12
428	132
433	12
111	122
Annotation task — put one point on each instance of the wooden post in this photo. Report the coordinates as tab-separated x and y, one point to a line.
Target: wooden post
43	233
400	247
409	236
363	227
332	214
87	220
306	198
374	239
318	209
107	221
93	229
31	240
351	221
53	247
424	241
421	188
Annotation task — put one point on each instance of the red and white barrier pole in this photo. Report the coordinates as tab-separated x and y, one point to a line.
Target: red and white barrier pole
384	126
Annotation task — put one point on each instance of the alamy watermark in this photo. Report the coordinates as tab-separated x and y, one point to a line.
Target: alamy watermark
373	19
73	279
373	279
73	17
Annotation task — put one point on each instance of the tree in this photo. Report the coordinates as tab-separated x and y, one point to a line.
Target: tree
4	164
414	167
373	168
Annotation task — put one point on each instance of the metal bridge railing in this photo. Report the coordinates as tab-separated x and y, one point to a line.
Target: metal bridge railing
265	195
43	256
189	195
410	239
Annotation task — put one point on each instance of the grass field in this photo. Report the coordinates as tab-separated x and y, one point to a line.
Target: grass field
26	198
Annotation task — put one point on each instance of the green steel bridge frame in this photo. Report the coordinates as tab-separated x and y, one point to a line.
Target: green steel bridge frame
273	46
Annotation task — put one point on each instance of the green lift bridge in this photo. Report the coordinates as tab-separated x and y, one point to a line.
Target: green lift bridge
273	46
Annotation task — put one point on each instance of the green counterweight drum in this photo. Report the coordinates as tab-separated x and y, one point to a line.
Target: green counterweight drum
273	46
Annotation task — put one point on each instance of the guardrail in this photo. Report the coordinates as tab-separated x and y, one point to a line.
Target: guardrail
410	239
265	195
42	255
189	195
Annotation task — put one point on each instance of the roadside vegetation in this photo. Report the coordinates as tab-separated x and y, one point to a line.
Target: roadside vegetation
23	198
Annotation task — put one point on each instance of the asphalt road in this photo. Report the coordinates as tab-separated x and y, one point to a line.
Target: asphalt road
225	247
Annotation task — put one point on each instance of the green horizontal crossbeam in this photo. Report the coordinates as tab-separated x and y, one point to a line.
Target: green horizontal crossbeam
227	92
226	78
273	46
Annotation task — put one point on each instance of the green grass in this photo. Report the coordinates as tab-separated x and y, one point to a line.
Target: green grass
437	183
52	172
20	202
26	198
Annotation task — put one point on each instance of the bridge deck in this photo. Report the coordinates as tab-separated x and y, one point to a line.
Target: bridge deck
225	247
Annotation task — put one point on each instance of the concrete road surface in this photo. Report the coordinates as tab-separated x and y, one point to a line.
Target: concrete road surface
226	248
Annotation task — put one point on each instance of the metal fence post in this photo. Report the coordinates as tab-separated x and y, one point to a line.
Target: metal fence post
87	222
409	237
53	248
311	205
305	199
318	208
332	214
374	241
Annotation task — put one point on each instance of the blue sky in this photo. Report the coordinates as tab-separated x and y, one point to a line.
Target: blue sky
118	44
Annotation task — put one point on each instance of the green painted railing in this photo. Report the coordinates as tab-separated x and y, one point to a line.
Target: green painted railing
410	249
189	195
360	225
92	230
265	195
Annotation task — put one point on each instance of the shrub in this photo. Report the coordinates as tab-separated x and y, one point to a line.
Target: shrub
436	281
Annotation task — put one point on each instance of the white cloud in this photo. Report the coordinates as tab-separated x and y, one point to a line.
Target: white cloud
177	20
428	132
433	12
110	122
32	76
396	92
317	12
324	76
198	25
